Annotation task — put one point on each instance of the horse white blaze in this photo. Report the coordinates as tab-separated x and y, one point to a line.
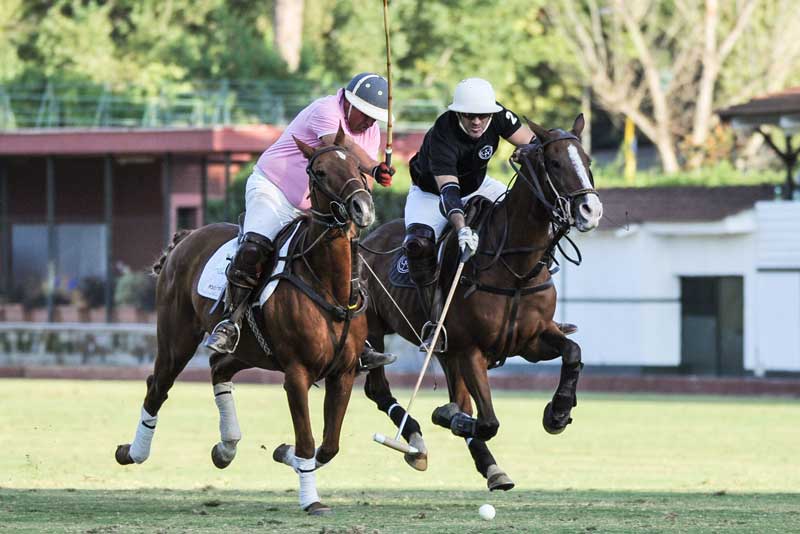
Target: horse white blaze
590	209
580	168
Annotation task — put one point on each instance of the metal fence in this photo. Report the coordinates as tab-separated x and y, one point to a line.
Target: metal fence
198	104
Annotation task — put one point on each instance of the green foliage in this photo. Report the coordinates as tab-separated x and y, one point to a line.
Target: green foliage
723	173
136	288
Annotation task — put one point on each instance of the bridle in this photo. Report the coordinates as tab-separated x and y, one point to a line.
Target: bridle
338	216
560	210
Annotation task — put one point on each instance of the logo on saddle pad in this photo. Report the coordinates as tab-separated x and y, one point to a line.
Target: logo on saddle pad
402	264
486	152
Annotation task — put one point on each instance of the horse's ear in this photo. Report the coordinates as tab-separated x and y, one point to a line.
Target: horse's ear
540	132
307	150
578	125
339	139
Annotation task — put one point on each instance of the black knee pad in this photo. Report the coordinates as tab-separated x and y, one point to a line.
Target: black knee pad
245	269
420	249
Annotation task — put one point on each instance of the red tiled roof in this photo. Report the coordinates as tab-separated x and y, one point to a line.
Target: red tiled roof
632	205
786	102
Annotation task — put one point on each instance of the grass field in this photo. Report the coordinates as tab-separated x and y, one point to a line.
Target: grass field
627	463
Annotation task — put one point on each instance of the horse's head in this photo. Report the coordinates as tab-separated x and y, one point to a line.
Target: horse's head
339	191
562	179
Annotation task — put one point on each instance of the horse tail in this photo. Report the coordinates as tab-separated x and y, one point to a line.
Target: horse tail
176	238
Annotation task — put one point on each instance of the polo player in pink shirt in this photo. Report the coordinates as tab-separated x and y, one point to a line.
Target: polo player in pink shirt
277	191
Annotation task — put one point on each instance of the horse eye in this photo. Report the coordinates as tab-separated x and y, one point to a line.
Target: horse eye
320	172
555	164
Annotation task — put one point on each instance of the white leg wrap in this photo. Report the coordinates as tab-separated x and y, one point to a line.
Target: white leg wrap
140	448
228	422
317	462
308	481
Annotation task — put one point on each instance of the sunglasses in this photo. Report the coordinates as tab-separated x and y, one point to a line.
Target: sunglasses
481	116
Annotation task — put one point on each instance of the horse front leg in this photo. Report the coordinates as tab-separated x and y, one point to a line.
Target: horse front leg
557	413
485	463
377	389
301	457
337	397
223	367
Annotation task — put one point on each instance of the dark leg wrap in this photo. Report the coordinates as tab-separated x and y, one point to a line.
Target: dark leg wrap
463	425
384	403
481	455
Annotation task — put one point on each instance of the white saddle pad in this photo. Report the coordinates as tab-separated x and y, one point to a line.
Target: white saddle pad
213	280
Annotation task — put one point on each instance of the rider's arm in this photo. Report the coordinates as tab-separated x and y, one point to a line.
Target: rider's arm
522	136
456	218
364	159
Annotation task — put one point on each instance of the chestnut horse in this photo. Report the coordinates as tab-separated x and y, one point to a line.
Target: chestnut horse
311	323
503	307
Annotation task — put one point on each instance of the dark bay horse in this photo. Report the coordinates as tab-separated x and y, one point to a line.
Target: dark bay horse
314	332
504	305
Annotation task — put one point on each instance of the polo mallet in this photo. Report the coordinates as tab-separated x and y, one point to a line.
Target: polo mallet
395	443
388	150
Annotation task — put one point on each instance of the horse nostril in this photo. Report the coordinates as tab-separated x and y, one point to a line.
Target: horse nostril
586	209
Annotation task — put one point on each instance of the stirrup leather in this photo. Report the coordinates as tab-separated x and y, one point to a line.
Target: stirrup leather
219	340
427	336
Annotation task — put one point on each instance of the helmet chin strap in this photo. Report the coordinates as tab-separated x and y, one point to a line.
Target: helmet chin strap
461	125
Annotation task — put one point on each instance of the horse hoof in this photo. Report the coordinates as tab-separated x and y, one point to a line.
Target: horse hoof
549	422
317	508
418	461
282	454
496	479
220	457
123	454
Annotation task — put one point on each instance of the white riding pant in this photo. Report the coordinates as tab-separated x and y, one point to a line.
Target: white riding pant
423	208
267	209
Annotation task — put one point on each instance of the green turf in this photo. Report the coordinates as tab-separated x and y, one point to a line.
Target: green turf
628	462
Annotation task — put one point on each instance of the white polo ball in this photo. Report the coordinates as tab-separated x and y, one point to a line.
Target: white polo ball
487	512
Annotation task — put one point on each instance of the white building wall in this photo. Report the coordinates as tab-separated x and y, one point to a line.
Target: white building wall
625	297
777	304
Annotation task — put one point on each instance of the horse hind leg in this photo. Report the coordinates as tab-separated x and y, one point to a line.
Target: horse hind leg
176	346
377	389
223	367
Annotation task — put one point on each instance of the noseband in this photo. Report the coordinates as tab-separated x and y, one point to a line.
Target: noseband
338	215
559	211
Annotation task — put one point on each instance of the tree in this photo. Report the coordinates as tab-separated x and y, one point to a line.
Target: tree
289	31
664	64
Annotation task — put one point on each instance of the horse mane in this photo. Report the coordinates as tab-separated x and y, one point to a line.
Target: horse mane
177	237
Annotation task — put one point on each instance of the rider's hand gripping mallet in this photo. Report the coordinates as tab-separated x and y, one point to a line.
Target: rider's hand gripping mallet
395	443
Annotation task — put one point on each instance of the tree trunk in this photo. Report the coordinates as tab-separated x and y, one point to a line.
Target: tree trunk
289	31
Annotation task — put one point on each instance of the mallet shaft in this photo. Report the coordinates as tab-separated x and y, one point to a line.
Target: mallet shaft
395	444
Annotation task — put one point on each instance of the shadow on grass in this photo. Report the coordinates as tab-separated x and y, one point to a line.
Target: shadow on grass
383	511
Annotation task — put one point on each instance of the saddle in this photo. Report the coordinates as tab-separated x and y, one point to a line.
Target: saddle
477	210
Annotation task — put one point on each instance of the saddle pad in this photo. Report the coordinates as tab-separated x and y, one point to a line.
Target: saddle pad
213	280
398	275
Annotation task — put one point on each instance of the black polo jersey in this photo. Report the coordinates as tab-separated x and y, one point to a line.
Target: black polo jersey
448	150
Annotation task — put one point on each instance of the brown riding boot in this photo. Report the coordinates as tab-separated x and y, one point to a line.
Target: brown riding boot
244	274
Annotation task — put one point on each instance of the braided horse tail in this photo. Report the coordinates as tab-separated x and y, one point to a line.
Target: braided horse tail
177	237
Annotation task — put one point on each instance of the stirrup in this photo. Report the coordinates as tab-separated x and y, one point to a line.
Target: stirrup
219	340
427	335
372	359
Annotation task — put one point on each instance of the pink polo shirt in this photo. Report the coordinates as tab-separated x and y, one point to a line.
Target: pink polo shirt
283	163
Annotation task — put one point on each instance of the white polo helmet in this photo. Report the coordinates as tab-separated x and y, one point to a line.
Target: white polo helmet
369	93
474	95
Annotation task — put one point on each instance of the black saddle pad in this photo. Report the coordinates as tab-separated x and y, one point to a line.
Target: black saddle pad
398	274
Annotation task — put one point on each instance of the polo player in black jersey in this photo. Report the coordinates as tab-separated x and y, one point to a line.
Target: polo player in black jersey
449	169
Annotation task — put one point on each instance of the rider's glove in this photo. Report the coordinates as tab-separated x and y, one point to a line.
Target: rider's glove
383	173
468	242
